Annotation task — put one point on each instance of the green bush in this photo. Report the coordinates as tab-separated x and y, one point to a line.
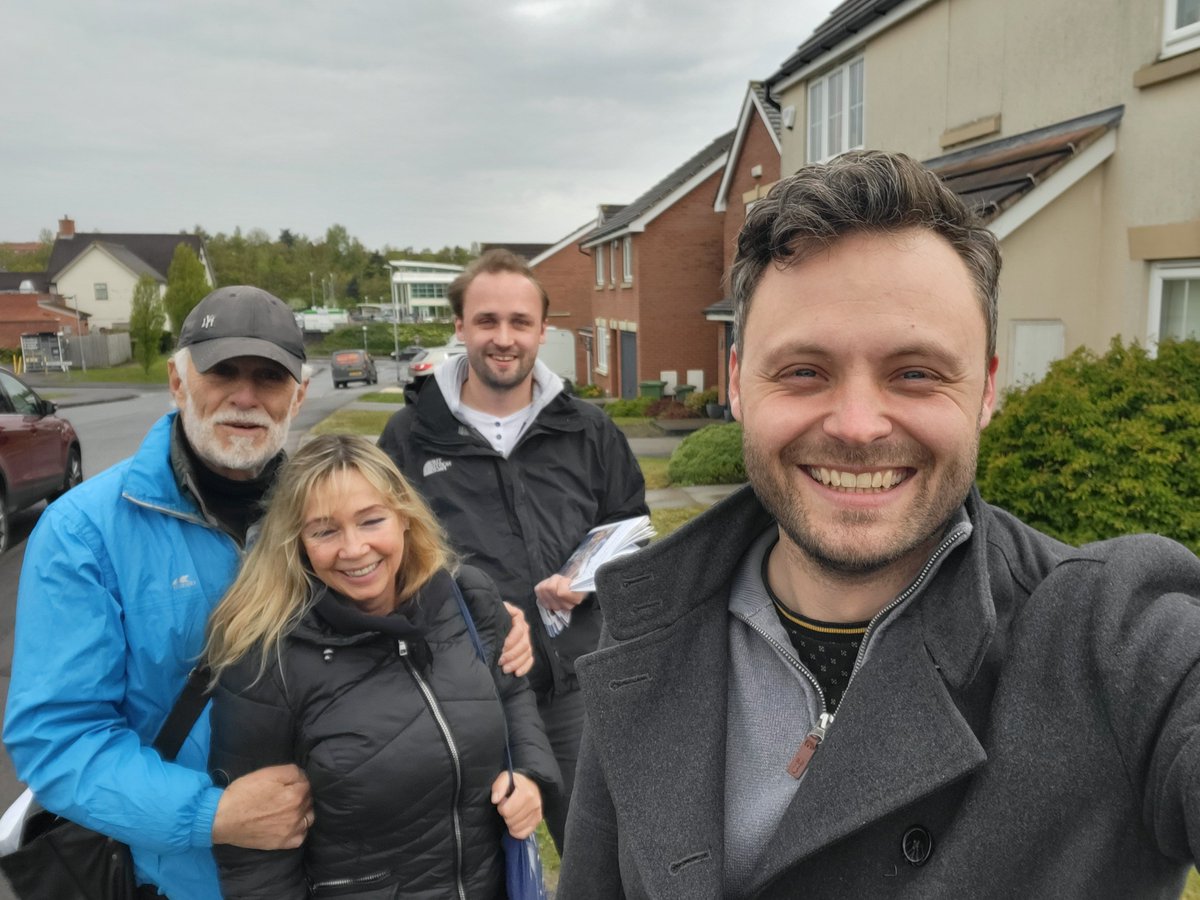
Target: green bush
1102	446
712	455
588	391
628	407
697	400
380	340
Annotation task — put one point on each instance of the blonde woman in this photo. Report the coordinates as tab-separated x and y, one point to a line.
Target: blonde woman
341	648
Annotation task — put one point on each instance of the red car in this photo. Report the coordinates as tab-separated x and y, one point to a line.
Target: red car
40	457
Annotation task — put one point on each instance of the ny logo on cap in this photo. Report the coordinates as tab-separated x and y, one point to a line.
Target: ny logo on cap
208	321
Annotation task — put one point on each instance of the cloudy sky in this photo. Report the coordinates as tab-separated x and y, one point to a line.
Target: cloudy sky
411	122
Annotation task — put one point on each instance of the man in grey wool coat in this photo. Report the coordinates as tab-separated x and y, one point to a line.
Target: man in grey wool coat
855	678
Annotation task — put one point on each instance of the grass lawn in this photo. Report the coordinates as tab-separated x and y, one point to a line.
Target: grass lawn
667	520
1191	891
654	470
392	396
130	373
637	426
550	861
354	421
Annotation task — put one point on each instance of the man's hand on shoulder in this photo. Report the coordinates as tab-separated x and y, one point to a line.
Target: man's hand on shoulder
554	593
269	809
516	657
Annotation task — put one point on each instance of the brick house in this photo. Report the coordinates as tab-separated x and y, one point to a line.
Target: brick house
28	307
565	272
752	168
656	266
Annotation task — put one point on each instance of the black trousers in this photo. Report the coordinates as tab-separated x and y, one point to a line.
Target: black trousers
562	716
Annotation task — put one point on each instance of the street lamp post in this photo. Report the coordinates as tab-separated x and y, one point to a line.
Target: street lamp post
79	336
365	339
312	291
396	331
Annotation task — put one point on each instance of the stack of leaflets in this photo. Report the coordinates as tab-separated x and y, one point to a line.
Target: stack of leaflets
602	543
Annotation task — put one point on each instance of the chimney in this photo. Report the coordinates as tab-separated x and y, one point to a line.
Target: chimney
66	227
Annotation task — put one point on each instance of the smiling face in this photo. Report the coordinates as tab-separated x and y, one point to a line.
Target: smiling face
237	414
502	326
354	541
862	385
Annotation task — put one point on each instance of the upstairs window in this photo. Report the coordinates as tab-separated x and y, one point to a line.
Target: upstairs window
627	259
599	265
1174	301
612	263
101	290
835	111
1181	26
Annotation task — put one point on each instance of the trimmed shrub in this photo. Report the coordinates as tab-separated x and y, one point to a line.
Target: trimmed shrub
712	455
1102	446
667	408
697	400
629	407
588	391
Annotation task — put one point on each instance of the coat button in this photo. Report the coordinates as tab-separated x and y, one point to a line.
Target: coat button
917	845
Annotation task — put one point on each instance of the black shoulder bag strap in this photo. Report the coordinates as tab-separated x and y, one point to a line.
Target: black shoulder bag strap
183	714
478	644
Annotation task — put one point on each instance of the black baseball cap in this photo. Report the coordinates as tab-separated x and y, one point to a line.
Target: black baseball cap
243	321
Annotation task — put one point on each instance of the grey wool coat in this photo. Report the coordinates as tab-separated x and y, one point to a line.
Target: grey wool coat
1029	726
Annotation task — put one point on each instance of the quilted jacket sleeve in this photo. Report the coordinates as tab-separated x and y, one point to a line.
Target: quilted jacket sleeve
252	727
531	751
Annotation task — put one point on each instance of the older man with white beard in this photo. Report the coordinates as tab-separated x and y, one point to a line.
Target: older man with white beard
118	580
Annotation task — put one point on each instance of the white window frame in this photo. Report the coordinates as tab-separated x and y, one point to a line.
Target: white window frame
627	259
612	264
836	111
599	265
1175	270
601	349
100	289
1178	39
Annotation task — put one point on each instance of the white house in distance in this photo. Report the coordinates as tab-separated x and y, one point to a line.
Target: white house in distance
419	289
96	273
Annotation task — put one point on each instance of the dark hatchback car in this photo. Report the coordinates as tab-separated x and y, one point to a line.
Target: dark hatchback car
353	365
40	457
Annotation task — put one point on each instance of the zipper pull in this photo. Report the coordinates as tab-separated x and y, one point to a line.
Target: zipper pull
808	749
402	648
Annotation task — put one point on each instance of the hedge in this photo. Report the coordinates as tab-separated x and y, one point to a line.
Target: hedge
1102	446
712	455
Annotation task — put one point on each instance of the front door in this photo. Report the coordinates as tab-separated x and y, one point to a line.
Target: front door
629	369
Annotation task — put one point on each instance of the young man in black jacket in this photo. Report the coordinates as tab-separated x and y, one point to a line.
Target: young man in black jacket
518	472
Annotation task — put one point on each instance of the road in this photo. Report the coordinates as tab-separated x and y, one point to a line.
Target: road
109	432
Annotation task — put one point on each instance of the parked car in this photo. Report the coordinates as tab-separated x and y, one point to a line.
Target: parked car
40	457
407	354
423	365
353	365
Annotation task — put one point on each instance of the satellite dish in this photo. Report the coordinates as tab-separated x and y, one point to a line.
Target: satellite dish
27	287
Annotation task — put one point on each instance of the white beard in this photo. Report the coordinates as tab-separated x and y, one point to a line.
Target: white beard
245	454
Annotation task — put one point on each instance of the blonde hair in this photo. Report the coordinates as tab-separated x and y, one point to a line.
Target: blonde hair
273	589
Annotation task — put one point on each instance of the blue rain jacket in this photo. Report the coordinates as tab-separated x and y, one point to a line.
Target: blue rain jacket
119	578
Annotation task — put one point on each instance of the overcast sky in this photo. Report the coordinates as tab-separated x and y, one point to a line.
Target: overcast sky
410	122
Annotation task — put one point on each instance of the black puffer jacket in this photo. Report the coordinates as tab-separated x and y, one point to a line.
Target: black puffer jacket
402	803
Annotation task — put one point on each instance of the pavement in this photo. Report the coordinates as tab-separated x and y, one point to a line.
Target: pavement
67	395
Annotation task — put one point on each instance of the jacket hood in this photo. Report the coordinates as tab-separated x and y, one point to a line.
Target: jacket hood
454	371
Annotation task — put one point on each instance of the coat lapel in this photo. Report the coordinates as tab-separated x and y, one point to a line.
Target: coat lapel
897	737
657	710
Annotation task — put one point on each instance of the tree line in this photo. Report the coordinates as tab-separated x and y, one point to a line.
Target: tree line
336	270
